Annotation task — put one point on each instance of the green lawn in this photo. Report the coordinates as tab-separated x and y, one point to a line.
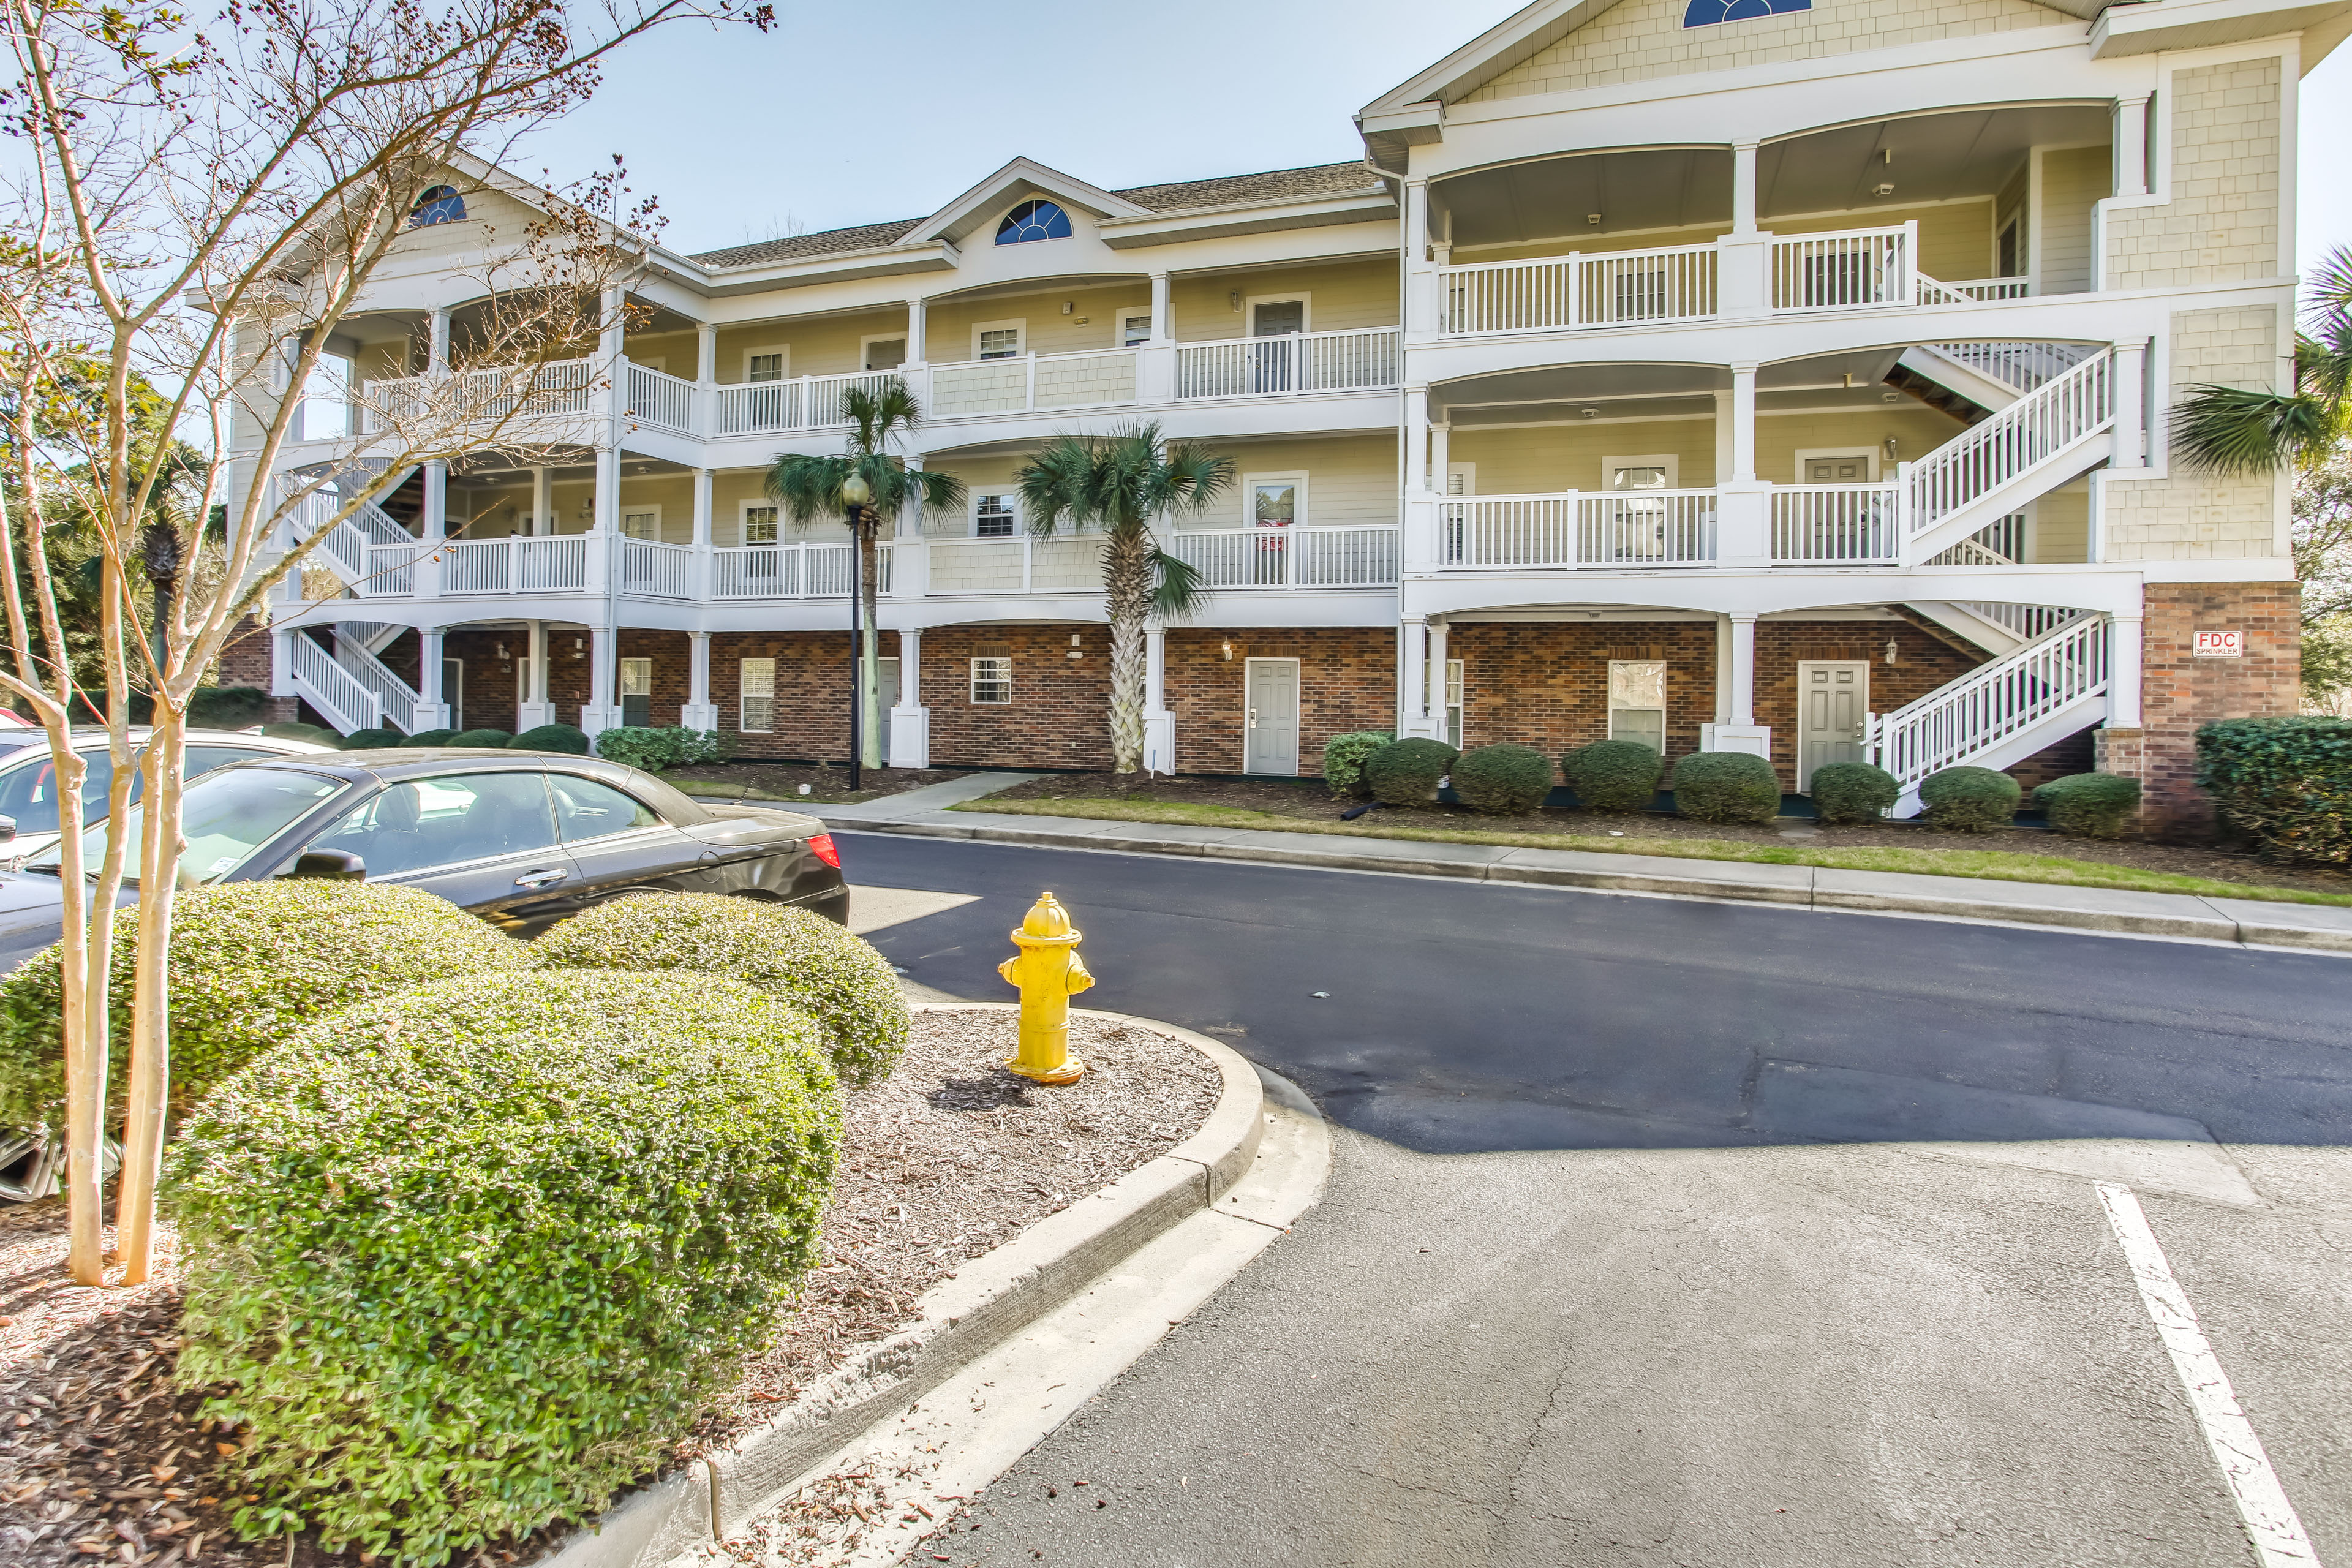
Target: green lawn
1998	865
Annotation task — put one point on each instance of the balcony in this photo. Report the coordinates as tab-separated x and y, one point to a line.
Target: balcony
1290	558
1614	530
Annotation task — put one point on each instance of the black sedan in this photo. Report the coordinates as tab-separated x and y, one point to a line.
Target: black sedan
521	838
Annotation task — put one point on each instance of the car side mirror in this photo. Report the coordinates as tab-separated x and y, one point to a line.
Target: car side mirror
327	865
7	829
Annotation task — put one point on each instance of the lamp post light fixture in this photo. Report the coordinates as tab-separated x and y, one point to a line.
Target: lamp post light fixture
855	495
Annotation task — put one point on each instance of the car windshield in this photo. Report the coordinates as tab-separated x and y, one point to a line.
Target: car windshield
28	789
224	818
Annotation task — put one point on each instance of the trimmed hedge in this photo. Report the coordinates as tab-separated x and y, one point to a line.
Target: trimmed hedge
1853	791
1613	775
2285	784
374	739
1726	786
1502	781
480	740
838	979
552	738
470	1259
1406	773
653	750
1970	800
290	731
250	963
2090	805
1344	757
226	707
432	737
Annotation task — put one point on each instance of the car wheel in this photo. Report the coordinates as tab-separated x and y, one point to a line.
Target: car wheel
32	1163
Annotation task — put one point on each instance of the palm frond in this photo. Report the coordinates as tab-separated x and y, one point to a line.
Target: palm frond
1063	481
877	414
2323	362
1178	588
2329	289
808	487
2237	430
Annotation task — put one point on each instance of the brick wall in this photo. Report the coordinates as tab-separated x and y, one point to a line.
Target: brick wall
1922	663
1546	683
2180	692
1346	681
811	692
1060	713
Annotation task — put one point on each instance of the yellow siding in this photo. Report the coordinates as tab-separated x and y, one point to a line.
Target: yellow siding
2062	524
1916	428
822	345
1542	459
2072	181
1349	481
1954	238
1345	297
1048	330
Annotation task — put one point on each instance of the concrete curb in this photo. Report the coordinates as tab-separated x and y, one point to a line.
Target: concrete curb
2245	921
958	1319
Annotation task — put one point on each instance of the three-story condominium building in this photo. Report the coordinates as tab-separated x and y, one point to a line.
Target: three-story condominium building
1755	375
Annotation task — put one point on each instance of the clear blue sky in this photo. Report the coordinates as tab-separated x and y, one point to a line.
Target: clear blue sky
849	114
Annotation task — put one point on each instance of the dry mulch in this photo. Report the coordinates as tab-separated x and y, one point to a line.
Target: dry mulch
101	1457
782	781
1309	800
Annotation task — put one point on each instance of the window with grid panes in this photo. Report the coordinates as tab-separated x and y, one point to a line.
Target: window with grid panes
758	695
1637	702
764	367
992	673
760	525
994	517
1002	343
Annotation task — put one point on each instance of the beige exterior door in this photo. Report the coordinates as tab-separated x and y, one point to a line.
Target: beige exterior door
1832	696
1849	468
1272	743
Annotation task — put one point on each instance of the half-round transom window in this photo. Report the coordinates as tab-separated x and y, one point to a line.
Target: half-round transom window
439	204
1032	220
1707	13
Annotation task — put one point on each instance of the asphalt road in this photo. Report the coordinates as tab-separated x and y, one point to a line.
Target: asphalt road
1666	1232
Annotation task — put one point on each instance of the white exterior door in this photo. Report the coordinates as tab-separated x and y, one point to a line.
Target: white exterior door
886	695
1272	745
1831	699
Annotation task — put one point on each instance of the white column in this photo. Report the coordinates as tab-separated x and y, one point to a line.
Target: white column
1413	670
1734	727
1441	442
1744	256
1743	188
1743	423
1159	723
2124	672
1163	324
432	711
602	711
1416	440
2131	404
915	332
1743	523
436	342
1723	460
2131	146
1722	672
910	721
435	520
281	663
542	501
702	509
1743	668
706	354
1421	278
699	713
1433	684
534	709
609	320
607	519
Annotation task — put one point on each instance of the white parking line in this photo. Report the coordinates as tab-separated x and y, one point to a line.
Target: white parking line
2271	1522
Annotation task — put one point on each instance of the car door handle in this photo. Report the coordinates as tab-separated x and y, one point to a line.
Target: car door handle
541	878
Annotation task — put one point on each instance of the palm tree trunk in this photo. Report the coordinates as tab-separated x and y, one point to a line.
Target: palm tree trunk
869	663
1127	592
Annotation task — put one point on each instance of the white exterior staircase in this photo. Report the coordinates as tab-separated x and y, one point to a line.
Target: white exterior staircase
2001	713
368	551
2038	442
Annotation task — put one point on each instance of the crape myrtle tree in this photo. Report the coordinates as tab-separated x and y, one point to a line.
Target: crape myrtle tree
1119	484
197	207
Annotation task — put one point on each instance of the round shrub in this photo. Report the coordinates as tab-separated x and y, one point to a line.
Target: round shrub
374	739
653	749
1613	775
1970	800
469	1258
1502	781
552	738
2285	784
1853	791
836	978
2090	805
303	732
1344	757
1727	786
1406	773
250	963
480	740
432	737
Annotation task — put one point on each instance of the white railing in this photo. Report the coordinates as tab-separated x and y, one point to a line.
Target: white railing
517	565
368	549
1843	271
395	700
1967	717
1300	361
1025	382
1611	289
1836	525
2023	366
334	691
558	386
1978	462
1291	557
809	403
2024	622
1580	529
789	571
660	571
661	399
1975	290
1021	563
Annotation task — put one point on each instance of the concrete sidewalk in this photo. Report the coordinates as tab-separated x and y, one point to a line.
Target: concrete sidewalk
924	812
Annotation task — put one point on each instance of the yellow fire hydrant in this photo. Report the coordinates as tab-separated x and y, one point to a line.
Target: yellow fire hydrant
1049	972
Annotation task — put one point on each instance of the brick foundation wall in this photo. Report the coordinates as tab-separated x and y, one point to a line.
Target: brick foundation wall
1546	683
1922	662
244	657
1060	713
811	690
2180	692
1346	681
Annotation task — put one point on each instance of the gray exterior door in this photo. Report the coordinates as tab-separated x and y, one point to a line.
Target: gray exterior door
1272	743
1832	698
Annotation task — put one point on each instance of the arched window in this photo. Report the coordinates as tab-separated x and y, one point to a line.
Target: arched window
439	204
1707	13
1032	220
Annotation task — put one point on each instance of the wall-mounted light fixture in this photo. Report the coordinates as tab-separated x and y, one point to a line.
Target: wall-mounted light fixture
1592	220
502	650
1229	650
1069	306
1234	298
1893	450
1076	640
1881	190
1589	412
1893	647
1848	379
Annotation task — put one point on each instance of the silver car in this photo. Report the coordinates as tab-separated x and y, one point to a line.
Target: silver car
29	782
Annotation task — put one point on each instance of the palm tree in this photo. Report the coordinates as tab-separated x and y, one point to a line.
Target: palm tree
2235	431
1119	483
809	490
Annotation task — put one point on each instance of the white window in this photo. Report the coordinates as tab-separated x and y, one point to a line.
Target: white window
766	364
1637	702
991	679
1461	479
882	352
1278	315
1134	325
1641	471
759	695
641	522
998	340
761	525
1454	703
1277	500
995	516
637	691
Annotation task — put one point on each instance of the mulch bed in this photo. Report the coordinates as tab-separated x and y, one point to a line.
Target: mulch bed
101	1457
782	781
1309	800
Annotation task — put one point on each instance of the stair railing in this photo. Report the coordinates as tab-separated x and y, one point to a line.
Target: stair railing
1980	460
1963	718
